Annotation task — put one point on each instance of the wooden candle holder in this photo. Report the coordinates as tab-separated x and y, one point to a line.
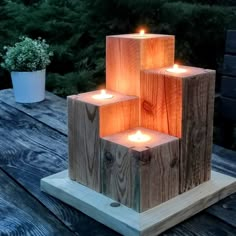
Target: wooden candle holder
127	55
144	187
88	120
140	175
182	105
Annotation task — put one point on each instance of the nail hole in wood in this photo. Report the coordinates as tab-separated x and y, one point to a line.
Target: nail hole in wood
115	204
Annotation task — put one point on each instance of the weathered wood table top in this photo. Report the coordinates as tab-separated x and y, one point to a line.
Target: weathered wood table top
33	145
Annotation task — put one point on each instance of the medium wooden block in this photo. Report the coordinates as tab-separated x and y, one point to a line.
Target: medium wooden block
140	175
130	223
127	54
182	105
88	120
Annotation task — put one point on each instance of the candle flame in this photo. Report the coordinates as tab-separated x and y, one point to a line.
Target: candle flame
102	95
139	137
176	66
142	32
176	69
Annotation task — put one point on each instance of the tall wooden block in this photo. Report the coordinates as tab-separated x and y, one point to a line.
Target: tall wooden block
127	54
88	120
140	175
182	105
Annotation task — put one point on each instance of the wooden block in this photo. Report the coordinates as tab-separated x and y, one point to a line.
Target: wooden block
182	105
88	120
129	222
127	54
140	175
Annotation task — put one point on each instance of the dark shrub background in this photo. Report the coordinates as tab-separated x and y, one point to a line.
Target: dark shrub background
76	31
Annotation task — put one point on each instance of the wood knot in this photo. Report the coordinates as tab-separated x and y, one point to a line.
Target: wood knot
173	162
109	157
145	158
148	107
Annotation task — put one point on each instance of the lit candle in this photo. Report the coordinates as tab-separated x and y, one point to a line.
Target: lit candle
102	95
142	32
139	137
176	69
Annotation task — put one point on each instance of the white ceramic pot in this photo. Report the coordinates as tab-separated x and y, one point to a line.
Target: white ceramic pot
29	87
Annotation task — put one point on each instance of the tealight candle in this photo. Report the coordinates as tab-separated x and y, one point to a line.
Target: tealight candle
102	95
142	32
139	137
176	69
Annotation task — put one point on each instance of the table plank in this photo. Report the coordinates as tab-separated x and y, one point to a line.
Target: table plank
31	150
52	111
202	224
225	163
21	214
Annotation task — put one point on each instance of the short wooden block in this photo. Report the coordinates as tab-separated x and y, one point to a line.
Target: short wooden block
140	175
88	120
182	105
129	222
127	54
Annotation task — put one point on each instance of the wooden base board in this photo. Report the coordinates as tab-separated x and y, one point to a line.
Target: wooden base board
129	222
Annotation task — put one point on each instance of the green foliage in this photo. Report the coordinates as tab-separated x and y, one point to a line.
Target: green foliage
199	30
27	55
76	31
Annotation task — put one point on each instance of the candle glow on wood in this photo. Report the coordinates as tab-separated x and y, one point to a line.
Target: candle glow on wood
176	69
139	137
102	95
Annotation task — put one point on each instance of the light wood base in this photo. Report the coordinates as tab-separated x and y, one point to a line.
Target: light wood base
129	222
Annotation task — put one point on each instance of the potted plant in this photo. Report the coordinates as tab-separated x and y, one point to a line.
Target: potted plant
27	61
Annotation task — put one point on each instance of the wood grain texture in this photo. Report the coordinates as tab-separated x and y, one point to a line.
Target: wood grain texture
52	111
149	223
89	120
161	103
190	202
21	214
159	177
29	151
203	225
84	143
197	130
126	55
182	105
118	117
141	175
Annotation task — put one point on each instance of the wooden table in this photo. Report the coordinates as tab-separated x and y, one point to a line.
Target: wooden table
33	144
